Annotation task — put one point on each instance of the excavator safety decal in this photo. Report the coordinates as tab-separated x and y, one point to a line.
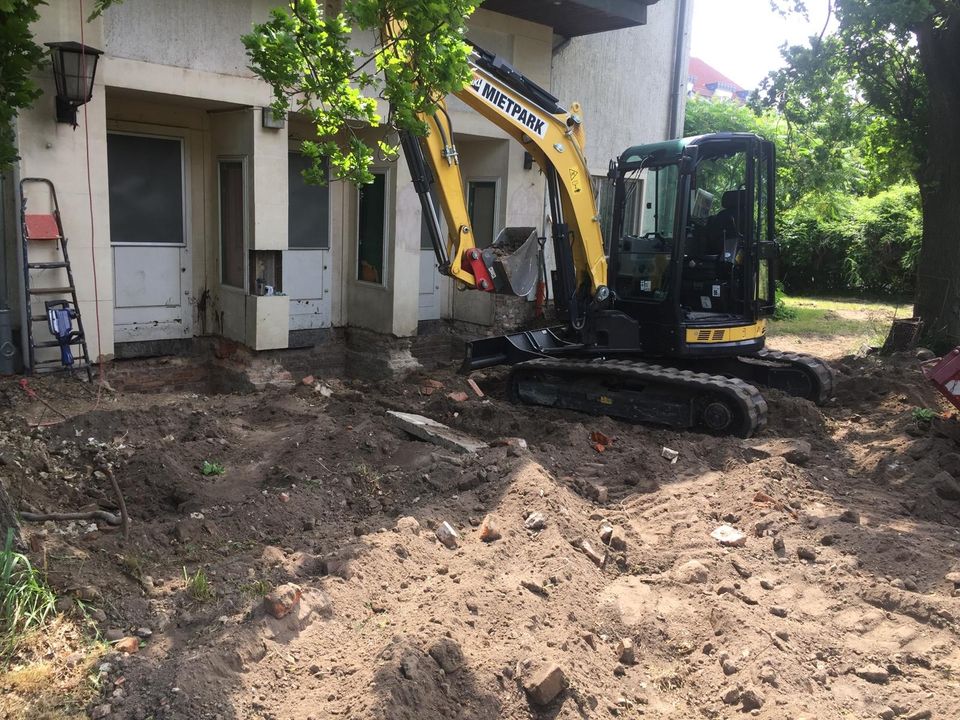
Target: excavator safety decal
505	104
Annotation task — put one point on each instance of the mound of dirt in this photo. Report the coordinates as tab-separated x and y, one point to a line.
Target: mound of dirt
835	593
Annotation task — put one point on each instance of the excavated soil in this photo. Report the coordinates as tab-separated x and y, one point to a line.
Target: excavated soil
840	601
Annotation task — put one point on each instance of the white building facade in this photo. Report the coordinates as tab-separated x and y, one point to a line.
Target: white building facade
183	201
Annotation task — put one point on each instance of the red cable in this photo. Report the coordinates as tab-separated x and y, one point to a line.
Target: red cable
93	254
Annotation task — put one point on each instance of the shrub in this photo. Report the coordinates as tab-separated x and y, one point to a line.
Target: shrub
889	229
815	243
867	244
781	310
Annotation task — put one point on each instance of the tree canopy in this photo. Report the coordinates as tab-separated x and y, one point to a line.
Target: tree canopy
419	54
902	59
19	57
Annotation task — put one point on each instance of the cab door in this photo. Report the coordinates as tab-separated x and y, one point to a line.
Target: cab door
764	213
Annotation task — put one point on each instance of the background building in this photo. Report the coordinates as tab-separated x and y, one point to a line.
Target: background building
708	82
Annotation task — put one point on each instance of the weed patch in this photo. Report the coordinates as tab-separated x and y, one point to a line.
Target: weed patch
198	585
25	600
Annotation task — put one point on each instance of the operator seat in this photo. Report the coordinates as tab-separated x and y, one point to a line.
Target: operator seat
726	225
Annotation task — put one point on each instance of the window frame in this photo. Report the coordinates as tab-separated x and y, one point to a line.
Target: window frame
489	180
329	184
384	272
245	224
184	188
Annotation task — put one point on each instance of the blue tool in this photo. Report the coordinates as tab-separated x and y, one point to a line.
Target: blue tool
60	315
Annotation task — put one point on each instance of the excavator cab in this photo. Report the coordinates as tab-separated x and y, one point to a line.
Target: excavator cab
691	248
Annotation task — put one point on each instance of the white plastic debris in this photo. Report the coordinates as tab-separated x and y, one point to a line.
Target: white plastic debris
670	454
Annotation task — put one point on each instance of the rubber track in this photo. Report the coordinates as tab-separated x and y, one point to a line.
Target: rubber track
753	407
818	369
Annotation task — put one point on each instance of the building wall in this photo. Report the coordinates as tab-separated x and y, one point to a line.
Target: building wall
207	34
624	81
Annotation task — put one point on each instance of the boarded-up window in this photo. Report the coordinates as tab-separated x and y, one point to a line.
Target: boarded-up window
145	178
232	223
308	214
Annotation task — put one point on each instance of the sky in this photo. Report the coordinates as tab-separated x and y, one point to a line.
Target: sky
742	38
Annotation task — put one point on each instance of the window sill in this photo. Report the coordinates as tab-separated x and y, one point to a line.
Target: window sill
371	285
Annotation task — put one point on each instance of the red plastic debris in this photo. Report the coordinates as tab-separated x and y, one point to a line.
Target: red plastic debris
945	374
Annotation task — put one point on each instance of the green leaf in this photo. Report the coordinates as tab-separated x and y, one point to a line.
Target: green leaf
307	58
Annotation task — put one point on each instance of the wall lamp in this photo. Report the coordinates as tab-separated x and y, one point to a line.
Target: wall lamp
74	67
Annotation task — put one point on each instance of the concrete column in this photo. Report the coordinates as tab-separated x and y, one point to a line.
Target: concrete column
405	265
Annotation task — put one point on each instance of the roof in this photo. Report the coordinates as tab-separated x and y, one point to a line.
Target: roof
571	18
659	153
705	80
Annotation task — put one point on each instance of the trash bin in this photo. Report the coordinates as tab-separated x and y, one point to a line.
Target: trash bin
8	351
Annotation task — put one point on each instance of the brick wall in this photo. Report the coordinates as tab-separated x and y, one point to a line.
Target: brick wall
169	374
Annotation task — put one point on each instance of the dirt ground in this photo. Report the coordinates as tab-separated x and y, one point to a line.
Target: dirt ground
840	601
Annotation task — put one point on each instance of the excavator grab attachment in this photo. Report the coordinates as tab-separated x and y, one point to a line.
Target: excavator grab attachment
515	255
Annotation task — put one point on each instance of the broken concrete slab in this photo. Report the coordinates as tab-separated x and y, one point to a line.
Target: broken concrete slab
434	432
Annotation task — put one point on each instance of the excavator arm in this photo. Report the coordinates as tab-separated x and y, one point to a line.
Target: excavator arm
554	137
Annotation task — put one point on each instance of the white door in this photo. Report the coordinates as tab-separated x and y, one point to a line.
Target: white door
148	221
307	273
430	278
429	286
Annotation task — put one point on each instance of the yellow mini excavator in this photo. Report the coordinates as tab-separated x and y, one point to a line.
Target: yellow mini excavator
665	318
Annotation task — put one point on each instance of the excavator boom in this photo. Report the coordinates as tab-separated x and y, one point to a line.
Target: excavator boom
554	137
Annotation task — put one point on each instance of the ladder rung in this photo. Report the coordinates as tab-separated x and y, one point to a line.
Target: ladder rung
47	265
54	343
38	318
47	362
51	291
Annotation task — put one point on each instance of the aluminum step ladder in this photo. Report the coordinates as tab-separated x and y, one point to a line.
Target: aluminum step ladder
45	227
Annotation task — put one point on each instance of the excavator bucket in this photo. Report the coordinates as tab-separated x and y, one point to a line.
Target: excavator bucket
513	261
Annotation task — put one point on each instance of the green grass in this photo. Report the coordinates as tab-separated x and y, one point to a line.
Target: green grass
25	600
830	317
257	588
197	585
212	468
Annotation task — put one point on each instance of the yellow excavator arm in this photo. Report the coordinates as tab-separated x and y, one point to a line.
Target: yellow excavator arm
553	136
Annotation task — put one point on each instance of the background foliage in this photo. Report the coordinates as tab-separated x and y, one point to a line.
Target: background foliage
848	208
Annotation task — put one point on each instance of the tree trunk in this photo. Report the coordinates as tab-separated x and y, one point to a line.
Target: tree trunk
938	271
9	518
